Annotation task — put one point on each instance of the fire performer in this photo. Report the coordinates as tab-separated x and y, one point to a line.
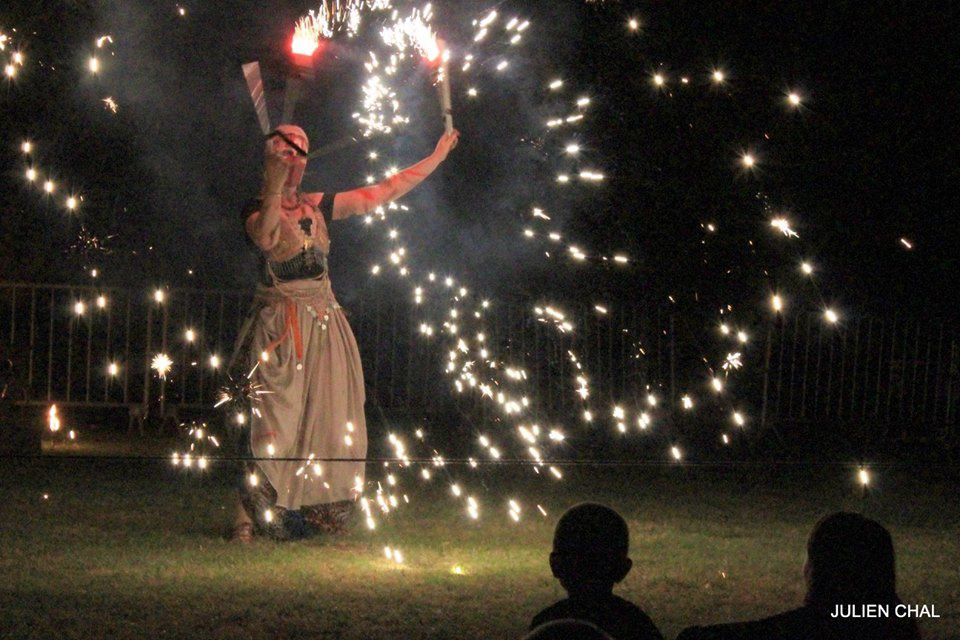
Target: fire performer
309	365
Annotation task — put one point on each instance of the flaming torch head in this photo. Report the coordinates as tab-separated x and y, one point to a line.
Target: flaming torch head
305	43
431	46
306	35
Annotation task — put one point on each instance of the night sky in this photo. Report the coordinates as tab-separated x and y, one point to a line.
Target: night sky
866	160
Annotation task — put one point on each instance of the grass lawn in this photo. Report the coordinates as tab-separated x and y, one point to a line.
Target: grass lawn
133	550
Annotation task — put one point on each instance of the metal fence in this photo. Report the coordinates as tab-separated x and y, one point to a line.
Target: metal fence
87	346
93	346
894	377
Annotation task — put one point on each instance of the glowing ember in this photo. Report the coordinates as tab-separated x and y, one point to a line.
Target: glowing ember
733	361
161	363
783	226
53	419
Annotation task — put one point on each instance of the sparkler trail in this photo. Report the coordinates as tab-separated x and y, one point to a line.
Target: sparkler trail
332	17
43	179
472	366
16	59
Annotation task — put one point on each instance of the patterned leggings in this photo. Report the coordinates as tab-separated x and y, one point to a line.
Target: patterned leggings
292	524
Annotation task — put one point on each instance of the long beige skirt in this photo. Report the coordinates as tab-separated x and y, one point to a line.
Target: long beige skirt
313	409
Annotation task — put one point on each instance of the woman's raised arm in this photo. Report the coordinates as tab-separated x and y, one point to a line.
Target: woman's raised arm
366	199
264	225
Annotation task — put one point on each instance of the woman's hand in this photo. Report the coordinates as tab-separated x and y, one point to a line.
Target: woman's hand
276	168
447	142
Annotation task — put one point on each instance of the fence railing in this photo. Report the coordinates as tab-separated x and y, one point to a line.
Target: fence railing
88	346
899	376
93	346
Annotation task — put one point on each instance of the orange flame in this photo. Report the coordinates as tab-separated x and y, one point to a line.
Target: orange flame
306	35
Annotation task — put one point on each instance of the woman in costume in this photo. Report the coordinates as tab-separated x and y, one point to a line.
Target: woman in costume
309	365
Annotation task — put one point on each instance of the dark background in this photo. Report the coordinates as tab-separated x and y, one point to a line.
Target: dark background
868	158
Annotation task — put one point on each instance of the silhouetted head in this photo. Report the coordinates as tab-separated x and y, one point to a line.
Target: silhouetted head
567	630
590	548
850	560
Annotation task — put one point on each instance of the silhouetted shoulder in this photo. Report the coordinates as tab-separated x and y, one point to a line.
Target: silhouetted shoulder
783	626
621	619
556	611
805	624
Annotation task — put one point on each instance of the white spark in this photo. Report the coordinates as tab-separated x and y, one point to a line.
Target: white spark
161	363
733	361
783	226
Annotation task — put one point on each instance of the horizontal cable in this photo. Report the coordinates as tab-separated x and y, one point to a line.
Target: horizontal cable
476	462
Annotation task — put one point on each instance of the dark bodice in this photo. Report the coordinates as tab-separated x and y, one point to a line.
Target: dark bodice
310	263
